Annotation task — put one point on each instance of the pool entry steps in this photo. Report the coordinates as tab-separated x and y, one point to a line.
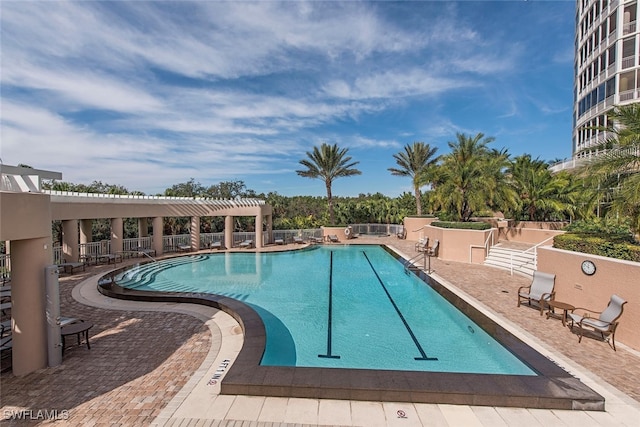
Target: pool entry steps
551	388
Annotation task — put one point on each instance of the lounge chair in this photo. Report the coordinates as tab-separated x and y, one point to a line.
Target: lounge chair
433	250
5	326
109	258
540	290
216	245
298	239
5	343
279	241
4	307
333	238
184	248
422	244
606	322
68	267
402	235
146	251
246	244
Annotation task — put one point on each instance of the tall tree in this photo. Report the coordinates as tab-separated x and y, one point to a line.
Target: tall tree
328	162
616	171
417	161
543	196
463	183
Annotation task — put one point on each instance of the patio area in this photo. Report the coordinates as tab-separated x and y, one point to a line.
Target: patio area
153	363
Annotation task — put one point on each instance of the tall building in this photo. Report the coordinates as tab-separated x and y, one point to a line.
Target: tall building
607	72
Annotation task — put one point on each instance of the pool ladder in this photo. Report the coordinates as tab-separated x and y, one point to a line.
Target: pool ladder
409	264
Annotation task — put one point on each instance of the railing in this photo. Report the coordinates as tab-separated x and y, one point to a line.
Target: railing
628	28
412	260
485	246
173	242
57	255
377	229
132	244
627	95
305	234
206	239
95	249
533	248
5	267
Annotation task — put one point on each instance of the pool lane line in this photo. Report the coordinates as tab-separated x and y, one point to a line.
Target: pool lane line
330	316
423	355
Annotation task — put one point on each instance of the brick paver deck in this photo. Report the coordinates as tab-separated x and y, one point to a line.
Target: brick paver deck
139	360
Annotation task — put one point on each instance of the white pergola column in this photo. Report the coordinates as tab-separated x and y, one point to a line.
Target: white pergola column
70	240
86	226
158	233
143	227
29	258
259	237
228	231
117	233
195	233
270	228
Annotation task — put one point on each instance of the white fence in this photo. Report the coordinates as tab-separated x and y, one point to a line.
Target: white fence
377	229
5	267
94	250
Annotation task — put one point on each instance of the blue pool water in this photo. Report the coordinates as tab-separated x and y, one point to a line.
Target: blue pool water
338	306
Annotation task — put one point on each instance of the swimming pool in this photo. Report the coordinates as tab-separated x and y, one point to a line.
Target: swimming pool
340	307
551	388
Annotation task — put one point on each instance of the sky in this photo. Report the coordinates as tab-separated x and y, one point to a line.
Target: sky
148	94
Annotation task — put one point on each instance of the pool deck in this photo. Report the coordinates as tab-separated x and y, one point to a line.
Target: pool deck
159	364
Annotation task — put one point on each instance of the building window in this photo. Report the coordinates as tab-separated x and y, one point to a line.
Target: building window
628	47
629	19
611	87
612	55
612	21
627	81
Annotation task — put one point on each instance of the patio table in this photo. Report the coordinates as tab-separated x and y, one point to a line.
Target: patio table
565	307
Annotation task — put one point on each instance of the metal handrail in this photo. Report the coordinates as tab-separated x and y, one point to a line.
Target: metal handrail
535	254
412	259
486	249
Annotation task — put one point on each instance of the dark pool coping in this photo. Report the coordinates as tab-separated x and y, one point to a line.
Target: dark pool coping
553	388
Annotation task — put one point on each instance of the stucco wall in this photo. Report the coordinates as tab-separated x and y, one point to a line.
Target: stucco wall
458	245
24	216
593	292
414	226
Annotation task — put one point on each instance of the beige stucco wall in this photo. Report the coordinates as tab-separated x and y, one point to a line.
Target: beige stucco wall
459	245
25	221
414	226
24	216
593	292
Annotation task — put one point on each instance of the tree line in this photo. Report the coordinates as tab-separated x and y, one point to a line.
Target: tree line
473	179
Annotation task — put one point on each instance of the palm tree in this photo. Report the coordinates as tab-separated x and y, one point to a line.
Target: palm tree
616	171
464	186
417	162
328	163
543	195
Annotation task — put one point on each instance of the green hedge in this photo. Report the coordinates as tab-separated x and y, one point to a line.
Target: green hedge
598	244
462	225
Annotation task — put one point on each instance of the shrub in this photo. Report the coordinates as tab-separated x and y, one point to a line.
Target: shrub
462	225
598	244
602	227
